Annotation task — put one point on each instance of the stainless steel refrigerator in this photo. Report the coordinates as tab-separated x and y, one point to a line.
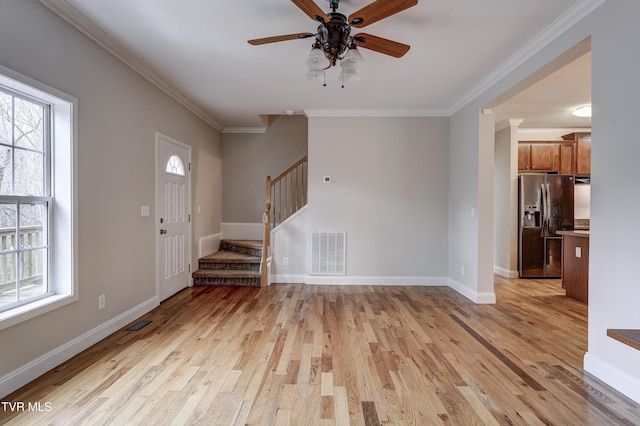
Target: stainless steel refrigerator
545	206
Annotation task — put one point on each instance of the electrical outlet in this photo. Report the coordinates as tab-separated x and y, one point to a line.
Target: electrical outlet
285	261
461	269
578	251
101	302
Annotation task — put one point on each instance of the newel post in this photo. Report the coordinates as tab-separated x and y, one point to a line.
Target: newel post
264	270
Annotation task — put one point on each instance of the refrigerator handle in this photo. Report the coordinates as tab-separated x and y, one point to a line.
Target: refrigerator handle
548	214
544	210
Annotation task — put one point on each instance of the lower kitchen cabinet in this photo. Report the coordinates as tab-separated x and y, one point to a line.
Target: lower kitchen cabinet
575	264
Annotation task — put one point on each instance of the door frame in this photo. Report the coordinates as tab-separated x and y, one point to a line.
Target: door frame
160	139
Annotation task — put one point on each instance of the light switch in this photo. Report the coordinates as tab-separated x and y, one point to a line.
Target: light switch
578	251
144	211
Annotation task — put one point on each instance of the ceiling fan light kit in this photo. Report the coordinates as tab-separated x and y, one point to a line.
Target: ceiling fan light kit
334	42
316	59
316	75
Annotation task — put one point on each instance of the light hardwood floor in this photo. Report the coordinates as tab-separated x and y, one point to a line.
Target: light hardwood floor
338	355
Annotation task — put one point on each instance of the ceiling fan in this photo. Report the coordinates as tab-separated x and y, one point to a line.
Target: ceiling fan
333	37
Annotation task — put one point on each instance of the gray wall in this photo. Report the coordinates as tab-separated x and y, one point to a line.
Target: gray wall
614	287
118	115
389	192
249	158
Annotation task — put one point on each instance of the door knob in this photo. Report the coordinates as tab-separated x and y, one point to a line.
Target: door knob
163	231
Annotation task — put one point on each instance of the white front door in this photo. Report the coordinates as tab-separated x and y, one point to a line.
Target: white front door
173	227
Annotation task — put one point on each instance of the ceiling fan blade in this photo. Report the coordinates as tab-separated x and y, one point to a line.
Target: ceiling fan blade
275	39
311	9
382	45
380	9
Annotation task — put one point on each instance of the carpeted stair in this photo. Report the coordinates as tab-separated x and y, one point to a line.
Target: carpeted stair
237	263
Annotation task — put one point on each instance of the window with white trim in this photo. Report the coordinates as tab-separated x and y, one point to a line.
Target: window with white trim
24	200
37	207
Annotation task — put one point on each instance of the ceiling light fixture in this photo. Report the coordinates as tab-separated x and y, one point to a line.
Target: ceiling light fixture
583	111
334	43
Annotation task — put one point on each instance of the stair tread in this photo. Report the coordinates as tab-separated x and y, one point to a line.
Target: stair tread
257	244
226	273
236	263
230	256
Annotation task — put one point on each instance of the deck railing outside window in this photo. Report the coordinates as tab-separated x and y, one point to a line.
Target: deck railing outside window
28	270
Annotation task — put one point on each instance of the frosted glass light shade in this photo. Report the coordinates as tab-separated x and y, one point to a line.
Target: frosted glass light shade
315	75
352	59
316	60
348	74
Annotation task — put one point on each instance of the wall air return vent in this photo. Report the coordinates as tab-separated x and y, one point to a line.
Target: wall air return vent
328	252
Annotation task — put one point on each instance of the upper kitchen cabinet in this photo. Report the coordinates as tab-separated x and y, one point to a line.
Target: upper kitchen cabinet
572	156
567	159
523	157
583	151
537	157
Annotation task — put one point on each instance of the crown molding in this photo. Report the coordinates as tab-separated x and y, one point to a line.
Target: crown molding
509	122
558	27
374	113
552	131
80	22
554	30
245	130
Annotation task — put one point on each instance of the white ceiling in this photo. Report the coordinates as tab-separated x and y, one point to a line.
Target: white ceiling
550	102
197	51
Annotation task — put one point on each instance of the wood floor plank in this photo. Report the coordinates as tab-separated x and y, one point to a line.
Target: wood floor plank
291	354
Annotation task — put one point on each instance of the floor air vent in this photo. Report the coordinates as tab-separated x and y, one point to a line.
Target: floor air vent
139	325
327	253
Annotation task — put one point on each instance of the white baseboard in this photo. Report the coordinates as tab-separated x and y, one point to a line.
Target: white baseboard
480	298
474	296
34	369
287	279
614	377
242	231
507	273
357	280
365	280
209	244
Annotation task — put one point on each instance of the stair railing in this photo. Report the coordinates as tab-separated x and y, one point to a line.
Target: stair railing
285	195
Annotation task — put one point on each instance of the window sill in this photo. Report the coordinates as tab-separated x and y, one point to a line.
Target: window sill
32	310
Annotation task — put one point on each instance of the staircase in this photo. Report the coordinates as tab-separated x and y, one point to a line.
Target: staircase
237	263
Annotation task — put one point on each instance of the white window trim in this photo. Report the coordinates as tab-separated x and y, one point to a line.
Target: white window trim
64	227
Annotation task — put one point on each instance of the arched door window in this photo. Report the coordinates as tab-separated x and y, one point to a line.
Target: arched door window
175	166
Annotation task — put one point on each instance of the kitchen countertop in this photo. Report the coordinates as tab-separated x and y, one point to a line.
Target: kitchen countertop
574	233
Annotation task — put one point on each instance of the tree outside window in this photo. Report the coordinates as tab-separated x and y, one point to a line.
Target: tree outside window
24	200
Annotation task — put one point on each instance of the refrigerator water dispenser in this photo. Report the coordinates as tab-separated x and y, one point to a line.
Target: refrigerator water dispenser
531	217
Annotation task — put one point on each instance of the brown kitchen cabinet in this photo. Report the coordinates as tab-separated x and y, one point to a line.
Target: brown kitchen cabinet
567	161
523	157
575	264
582	141
537	157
